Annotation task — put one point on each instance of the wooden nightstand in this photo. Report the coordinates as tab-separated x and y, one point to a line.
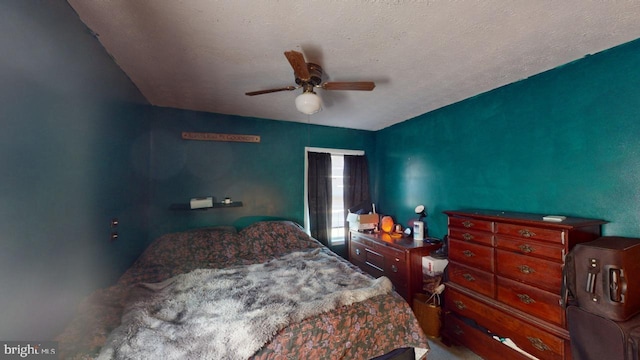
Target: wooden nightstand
399	259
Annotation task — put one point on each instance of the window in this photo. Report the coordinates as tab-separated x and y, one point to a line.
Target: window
338	216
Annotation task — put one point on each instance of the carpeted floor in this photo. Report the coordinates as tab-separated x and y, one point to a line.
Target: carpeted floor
440	351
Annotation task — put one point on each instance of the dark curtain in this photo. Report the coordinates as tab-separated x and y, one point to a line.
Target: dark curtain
319	188
356	183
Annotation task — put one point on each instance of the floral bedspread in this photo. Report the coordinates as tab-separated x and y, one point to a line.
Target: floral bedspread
360	331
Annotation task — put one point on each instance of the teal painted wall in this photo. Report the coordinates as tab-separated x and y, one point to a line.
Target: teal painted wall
266	176
74	152
562	142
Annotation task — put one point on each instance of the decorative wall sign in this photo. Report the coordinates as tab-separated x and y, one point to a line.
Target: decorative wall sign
220	137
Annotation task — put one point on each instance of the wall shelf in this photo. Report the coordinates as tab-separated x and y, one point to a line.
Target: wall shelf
186	206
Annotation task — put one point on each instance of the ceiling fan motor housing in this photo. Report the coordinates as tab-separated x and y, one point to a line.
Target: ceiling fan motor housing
315	75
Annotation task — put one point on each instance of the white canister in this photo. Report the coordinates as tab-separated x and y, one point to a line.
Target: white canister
418	230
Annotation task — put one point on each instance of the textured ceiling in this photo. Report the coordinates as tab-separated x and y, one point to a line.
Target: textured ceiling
205	54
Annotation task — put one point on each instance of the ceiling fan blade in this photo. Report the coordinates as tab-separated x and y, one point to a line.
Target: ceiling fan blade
349	85
260	92
299	65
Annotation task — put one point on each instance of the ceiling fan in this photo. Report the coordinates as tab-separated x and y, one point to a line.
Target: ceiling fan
309	76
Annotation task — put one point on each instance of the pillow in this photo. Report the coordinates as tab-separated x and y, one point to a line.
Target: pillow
275	238
180	252
186	245
213	229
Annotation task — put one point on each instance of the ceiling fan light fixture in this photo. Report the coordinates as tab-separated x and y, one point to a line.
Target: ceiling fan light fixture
309	76
308	103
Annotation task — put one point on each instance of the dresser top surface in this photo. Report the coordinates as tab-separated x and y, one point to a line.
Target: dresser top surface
405	242
524	218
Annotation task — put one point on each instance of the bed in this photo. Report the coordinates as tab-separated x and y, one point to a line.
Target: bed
367	318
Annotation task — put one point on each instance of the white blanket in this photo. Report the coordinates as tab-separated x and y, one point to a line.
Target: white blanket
231	313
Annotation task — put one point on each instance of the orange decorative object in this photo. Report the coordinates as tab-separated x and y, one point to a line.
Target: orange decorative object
386	224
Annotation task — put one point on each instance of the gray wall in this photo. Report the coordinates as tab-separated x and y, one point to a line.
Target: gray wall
74	153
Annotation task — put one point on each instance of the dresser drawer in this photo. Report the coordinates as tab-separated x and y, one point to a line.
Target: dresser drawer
481	343
475	255
378	260
396	267
471	278
367	260
531	247
531	232
357	253
471	224
485	238
531	339
531	300
374	259
530	270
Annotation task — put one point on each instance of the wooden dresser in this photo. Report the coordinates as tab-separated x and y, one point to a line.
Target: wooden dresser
399	259
505	274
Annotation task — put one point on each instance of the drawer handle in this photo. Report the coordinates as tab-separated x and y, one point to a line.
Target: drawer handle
467	236
468	277
525	248
526	299
394	268
468	253
458	331
467	224
357	251
526	233
526	269
538	344
460	305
